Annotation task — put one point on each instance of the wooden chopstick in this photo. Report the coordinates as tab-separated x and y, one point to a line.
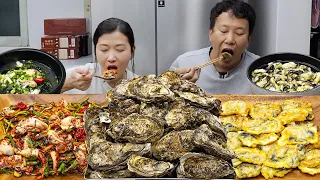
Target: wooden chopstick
210	62
224	55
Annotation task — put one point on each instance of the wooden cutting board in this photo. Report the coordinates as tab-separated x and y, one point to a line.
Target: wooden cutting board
6	100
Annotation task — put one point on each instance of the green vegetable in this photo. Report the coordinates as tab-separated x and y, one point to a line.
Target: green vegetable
62	168
33	158
30	143
32	163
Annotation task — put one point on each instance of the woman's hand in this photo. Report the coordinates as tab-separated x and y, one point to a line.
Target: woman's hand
79	78
190	74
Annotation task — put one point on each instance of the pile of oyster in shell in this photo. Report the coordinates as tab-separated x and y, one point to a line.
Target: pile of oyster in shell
157	127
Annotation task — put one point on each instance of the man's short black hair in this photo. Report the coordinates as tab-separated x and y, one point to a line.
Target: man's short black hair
238	8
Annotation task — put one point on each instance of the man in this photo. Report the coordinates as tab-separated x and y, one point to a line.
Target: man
231	24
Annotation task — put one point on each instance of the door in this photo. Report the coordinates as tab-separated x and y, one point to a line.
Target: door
140	14
182	26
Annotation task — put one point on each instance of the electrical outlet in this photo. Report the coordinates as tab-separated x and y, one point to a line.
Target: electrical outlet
87	8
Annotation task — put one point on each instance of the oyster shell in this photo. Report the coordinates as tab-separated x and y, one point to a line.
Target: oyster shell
91	117
123	107
202	166
108	156
147	167
136	129
170	79
156	111
149	89
120	91
173	145
212	143
206	102
93	174
96	137
190	117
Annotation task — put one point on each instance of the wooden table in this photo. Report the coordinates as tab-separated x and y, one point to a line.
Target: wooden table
6	100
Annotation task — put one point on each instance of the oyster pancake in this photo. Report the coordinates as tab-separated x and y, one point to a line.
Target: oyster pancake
147	167
108	156
202	166
149	89
212	143
173	145
136	129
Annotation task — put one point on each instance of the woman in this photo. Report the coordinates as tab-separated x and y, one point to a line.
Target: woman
114	47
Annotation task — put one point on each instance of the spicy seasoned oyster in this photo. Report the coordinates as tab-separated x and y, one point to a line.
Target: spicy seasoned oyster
147	167
108	156
136	129
173	145
212	142
202	166
149	89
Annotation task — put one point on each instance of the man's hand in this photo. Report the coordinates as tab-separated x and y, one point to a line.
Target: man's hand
190	74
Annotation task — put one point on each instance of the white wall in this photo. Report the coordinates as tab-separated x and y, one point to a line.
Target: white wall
263	38
294	24
38	10
281	26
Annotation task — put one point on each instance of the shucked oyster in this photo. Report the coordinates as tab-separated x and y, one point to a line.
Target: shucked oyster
202	166
149	89
147	167
108	156
136	129
173	145
212	142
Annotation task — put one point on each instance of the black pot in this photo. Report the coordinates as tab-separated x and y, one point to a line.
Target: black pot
262	62
56	72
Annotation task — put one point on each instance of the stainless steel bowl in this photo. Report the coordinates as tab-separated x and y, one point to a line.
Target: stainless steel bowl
262	62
